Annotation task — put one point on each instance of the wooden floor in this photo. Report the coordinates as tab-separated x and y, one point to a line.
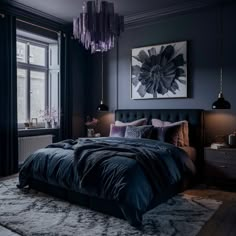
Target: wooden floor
222	223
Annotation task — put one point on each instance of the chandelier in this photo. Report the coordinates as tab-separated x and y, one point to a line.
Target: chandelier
98	26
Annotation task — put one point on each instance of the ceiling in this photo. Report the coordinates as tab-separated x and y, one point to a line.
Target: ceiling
67	9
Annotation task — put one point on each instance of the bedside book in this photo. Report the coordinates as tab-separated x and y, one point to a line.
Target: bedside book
219	145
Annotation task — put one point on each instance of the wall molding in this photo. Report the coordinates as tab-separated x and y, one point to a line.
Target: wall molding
20	9
131	20
149	17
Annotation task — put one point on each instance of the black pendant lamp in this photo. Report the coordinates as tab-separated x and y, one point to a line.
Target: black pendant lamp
102	106
221	103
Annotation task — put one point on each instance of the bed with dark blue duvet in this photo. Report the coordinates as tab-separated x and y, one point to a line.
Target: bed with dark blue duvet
134	173
122	177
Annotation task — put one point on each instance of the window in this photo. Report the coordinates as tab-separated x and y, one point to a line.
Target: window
37	80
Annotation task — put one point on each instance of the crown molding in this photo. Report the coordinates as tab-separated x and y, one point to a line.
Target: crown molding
19	8
149	17
133	20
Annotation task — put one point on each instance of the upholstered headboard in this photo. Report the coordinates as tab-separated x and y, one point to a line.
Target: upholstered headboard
193	116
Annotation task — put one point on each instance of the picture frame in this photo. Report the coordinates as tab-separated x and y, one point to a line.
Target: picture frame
159	71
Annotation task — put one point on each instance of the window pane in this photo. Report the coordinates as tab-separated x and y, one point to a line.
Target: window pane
37	94
37	55
53	57
21	95
21	52
54	93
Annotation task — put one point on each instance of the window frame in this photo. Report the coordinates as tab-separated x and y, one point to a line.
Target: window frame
32	67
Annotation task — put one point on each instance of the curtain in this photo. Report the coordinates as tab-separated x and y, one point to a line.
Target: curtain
65	89
8	97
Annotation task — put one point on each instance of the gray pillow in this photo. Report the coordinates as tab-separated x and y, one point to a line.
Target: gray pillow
138	131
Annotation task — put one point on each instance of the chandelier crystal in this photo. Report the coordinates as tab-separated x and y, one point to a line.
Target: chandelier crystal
98	26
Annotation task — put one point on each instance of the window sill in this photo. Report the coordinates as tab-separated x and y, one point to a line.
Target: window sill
37	131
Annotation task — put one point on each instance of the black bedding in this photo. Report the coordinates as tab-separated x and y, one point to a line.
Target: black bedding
134	173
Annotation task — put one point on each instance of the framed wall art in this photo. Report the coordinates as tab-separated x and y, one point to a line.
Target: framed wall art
159	71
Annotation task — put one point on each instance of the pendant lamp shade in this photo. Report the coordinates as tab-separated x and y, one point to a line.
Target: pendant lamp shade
221	103
102	107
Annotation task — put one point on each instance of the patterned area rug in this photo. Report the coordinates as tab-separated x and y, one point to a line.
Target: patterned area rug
34	213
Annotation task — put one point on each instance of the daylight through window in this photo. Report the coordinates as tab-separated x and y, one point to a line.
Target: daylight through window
37	80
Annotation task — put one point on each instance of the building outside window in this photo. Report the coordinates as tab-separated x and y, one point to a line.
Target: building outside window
37	79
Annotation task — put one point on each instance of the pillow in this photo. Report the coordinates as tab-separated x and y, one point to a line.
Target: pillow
170	134
192	153
138	131
117	131
134	123
160	123
184	128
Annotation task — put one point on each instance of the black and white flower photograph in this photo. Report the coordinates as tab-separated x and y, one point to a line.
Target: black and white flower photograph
159	71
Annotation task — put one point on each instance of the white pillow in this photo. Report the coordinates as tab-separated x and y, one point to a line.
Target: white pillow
132	123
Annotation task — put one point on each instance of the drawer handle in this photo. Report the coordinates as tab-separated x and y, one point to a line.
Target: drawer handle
227	156
223	166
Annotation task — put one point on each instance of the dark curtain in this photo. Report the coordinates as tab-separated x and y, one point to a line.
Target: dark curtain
8	97
66	89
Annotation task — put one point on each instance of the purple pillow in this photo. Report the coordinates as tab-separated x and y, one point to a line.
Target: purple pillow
138	131
117	131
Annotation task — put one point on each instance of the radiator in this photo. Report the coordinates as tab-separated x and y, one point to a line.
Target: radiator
28	145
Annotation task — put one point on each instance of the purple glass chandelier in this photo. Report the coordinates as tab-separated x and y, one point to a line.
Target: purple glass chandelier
98	26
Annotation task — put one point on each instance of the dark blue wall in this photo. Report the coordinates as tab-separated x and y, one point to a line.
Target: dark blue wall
201	30
80	61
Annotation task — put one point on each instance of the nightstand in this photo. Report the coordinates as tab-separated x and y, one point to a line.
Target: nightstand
220	166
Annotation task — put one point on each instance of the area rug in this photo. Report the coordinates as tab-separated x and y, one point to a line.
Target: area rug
35	213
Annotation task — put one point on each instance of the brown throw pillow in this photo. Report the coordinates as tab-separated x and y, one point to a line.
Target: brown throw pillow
170	134
184	137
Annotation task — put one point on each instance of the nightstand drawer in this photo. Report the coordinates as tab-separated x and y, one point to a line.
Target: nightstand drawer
220	167
220	170
221	156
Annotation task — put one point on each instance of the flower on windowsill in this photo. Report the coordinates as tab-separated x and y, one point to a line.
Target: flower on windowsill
91	123
54	115
48	115
45	115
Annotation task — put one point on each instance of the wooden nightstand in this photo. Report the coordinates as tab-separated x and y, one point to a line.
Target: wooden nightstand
220	166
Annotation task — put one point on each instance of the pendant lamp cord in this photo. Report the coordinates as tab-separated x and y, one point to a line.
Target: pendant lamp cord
102	76
97	6
221	48
221	80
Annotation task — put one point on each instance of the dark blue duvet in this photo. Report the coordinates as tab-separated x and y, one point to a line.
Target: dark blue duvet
135	173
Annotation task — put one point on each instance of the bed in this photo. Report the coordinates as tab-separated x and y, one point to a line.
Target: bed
123	177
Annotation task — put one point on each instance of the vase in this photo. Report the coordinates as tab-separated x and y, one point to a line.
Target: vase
47	124
90	132
54	124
